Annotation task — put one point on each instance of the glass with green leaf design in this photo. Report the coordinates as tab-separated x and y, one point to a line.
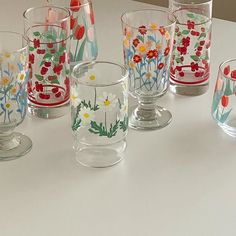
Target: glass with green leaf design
190	66
99	111
48	32
83	33
224	101
13	95
147	43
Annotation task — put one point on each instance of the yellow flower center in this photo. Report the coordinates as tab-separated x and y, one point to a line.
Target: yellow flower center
148	75
92	77
7	55
8	105
73	97
159	46
22	76
14	90
5	80
142	48
107	103
154	26
86	115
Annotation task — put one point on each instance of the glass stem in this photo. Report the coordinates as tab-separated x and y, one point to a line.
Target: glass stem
8	140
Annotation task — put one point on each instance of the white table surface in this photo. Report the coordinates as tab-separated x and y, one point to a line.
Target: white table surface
178	181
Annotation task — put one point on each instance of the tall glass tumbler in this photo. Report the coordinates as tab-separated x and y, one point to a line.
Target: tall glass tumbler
47	29
99	111
83	34
147	42
190	68
13	95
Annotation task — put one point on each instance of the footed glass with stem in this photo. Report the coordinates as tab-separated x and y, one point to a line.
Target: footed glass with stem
147	42
13	95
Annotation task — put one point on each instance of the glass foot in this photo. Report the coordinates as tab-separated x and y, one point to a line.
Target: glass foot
149	119
100	156
22	145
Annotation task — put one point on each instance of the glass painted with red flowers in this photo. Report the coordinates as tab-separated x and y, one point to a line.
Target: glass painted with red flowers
224	100
147	51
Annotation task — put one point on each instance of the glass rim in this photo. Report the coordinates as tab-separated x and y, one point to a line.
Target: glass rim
89	2
145	10
192	3
18	34
47	6
221	68
91	84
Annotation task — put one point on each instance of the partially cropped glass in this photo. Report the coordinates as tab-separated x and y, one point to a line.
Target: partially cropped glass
147	42
48	33
190	68
82	26
13	95
99	111
224	101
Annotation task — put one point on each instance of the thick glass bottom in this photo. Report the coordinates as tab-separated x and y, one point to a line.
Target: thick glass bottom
149	119
18	146
99	156
48	112
229	128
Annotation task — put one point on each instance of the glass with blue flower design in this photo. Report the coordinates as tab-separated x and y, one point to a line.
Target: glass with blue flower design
148	39
99	110
13	95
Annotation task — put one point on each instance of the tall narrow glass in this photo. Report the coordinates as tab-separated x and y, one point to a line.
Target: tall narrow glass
13	95
47	29
190	67
147	42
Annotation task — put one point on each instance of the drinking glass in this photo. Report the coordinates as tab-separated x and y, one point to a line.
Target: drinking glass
99	111
47	30
82	25
224	100
13	95
147	43
190	67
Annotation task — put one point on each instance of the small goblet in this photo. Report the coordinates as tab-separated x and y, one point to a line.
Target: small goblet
13	95
147	43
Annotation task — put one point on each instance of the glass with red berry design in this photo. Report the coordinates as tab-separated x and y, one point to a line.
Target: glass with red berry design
47	30
147	43
224	100
190	66
82	26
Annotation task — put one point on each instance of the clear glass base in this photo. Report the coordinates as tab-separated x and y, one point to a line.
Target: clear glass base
229	128
48	112
96	156
189	90
18	145
143	118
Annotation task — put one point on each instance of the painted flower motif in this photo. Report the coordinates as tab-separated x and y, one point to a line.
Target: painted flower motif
74	97
13	90
23	59
4	80
159	46
21	77
152	54
128	33
142	48
108	101
142	29
126	43
74	5
225	101
79	32
7	106
12	67
160	66
92	77
162	30
36	43
190	24
154	27
167	35
131	64
227	70
233	75
149	44
8	57
86	115
31	58
137	58
219	85
148	75
167	51
90	34
136	42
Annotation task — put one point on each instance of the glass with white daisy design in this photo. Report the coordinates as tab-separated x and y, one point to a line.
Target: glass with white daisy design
148	38
224	100
47	29
99	111
13	95
190	66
